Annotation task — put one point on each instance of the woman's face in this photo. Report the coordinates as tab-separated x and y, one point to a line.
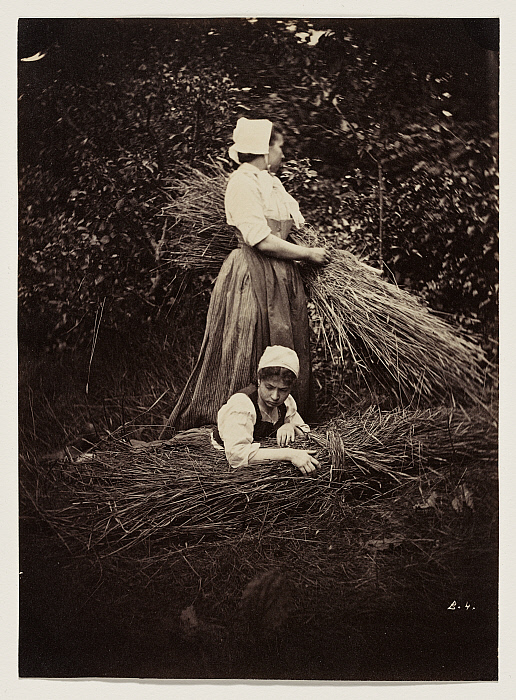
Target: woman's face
276	154
273	391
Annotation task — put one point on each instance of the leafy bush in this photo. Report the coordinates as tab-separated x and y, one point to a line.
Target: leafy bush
378	165
91	192
443	227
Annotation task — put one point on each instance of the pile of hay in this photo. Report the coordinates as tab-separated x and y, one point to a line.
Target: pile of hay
182	490
390	334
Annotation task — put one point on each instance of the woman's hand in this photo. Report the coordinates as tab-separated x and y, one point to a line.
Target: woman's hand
320	256
276	247
303	460
286	435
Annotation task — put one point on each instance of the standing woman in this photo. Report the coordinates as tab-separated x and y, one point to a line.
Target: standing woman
258	298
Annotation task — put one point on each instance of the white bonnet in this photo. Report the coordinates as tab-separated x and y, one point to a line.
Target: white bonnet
279	356
251	136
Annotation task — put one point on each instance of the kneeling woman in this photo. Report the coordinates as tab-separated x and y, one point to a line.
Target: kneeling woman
263	411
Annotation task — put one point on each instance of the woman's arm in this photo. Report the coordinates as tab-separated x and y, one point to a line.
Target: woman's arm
244	209
236	421
294	426
278	248
302	459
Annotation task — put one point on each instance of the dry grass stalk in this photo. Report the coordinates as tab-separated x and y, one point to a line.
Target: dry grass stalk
185	489
389	333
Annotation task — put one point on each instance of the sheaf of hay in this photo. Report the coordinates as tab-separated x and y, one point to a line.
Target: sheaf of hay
390	334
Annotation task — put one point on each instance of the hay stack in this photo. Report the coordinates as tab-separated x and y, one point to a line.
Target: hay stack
183	490
390	334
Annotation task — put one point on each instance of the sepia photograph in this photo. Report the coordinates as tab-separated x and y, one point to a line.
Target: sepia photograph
258	330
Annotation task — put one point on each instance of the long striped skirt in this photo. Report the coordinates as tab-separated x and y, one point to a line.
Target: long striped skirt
256	301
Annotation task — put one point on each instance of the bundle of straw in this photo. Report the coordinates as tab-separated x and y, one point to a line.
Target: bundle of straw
197	209
392	443
184	488
390	334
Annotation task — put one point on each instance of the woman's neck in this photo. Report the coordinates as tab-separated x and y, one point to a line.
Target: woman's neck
260	163
271	413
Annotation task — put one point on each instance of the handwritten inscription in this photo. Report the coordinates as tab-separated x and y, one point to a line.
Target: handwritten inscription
455	606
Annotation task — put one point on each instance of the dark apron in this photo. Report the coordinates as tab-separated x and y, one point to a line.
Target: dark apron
263	429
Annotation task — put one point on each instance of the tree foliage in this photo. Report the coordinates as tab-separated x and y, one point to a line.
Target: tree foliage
383	156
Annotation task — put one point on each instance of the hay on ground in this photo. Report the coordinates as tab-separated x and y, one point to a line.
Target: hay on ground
182	489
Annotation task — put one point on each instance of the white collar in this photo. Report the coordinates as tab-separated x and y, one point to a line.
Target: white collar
253	168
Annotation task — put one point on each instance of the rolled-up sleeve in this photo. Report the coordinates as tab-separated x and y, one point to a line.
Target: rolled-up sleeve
292	416
245	210
235	422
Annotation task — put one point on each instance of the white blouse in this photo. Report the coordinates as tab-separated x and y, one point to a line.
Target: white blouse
252	197
236	421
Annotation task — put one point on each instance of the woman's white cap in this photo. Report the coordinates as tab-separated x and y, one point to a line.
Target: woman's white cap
251	136
279	356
